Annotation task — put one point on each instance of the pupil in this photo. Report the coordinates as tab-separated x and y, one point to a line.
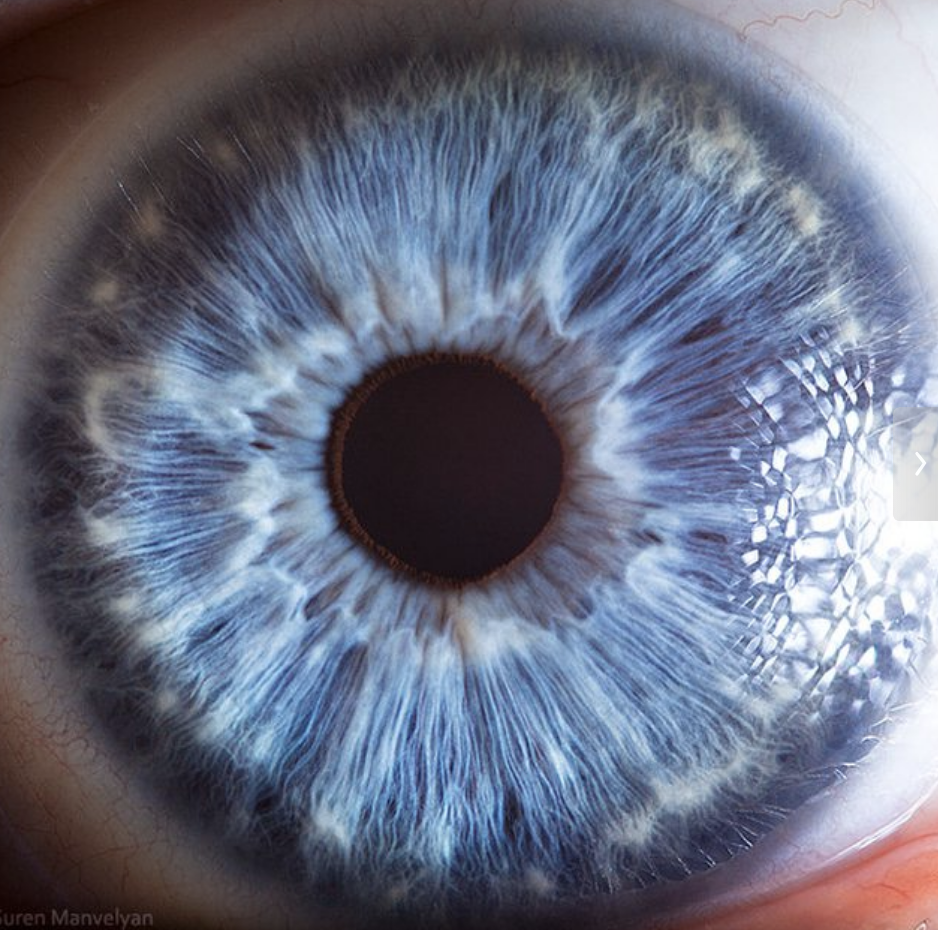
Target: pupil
445	465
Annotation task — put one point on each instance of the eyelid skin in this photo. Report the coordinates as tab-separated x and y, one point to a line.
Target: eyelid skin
896	888
24	16
52	85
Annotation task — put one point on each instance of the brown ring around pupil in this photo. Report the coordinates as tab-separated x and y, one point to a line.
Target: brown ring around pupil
444	465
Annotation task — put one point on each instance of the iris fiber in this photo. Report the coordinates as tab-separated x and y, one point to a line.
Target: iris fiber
694	646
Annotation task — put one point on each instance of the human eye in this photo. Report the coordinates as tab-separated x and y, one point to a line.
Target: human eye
109	840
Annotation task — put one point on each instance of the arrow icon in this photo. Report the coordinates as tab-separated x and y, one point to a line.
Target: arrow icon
921	467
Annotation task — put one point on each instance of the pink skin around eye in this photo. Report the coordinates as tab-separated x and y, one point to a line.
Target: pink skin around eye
895	886
894	889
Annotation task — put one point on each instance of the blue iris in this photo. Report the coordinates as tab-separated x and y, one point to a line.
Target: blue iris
691	650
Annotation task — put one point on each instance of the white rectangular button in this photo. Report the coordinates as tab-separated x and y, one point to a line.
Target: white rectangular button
915	463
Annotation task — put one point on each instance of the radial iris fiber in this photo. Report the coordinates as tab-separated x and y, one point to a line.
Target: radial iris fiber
694	646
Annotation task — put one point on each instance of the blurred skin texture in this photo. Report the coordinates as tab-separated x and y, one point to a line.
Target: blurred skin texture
74	829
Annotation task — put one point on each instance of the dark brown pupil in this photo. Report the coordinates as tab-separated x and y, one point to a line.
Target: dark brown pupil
446	465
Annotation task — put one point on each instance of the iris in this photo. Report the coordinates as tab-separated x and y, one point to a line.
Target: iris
684	645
